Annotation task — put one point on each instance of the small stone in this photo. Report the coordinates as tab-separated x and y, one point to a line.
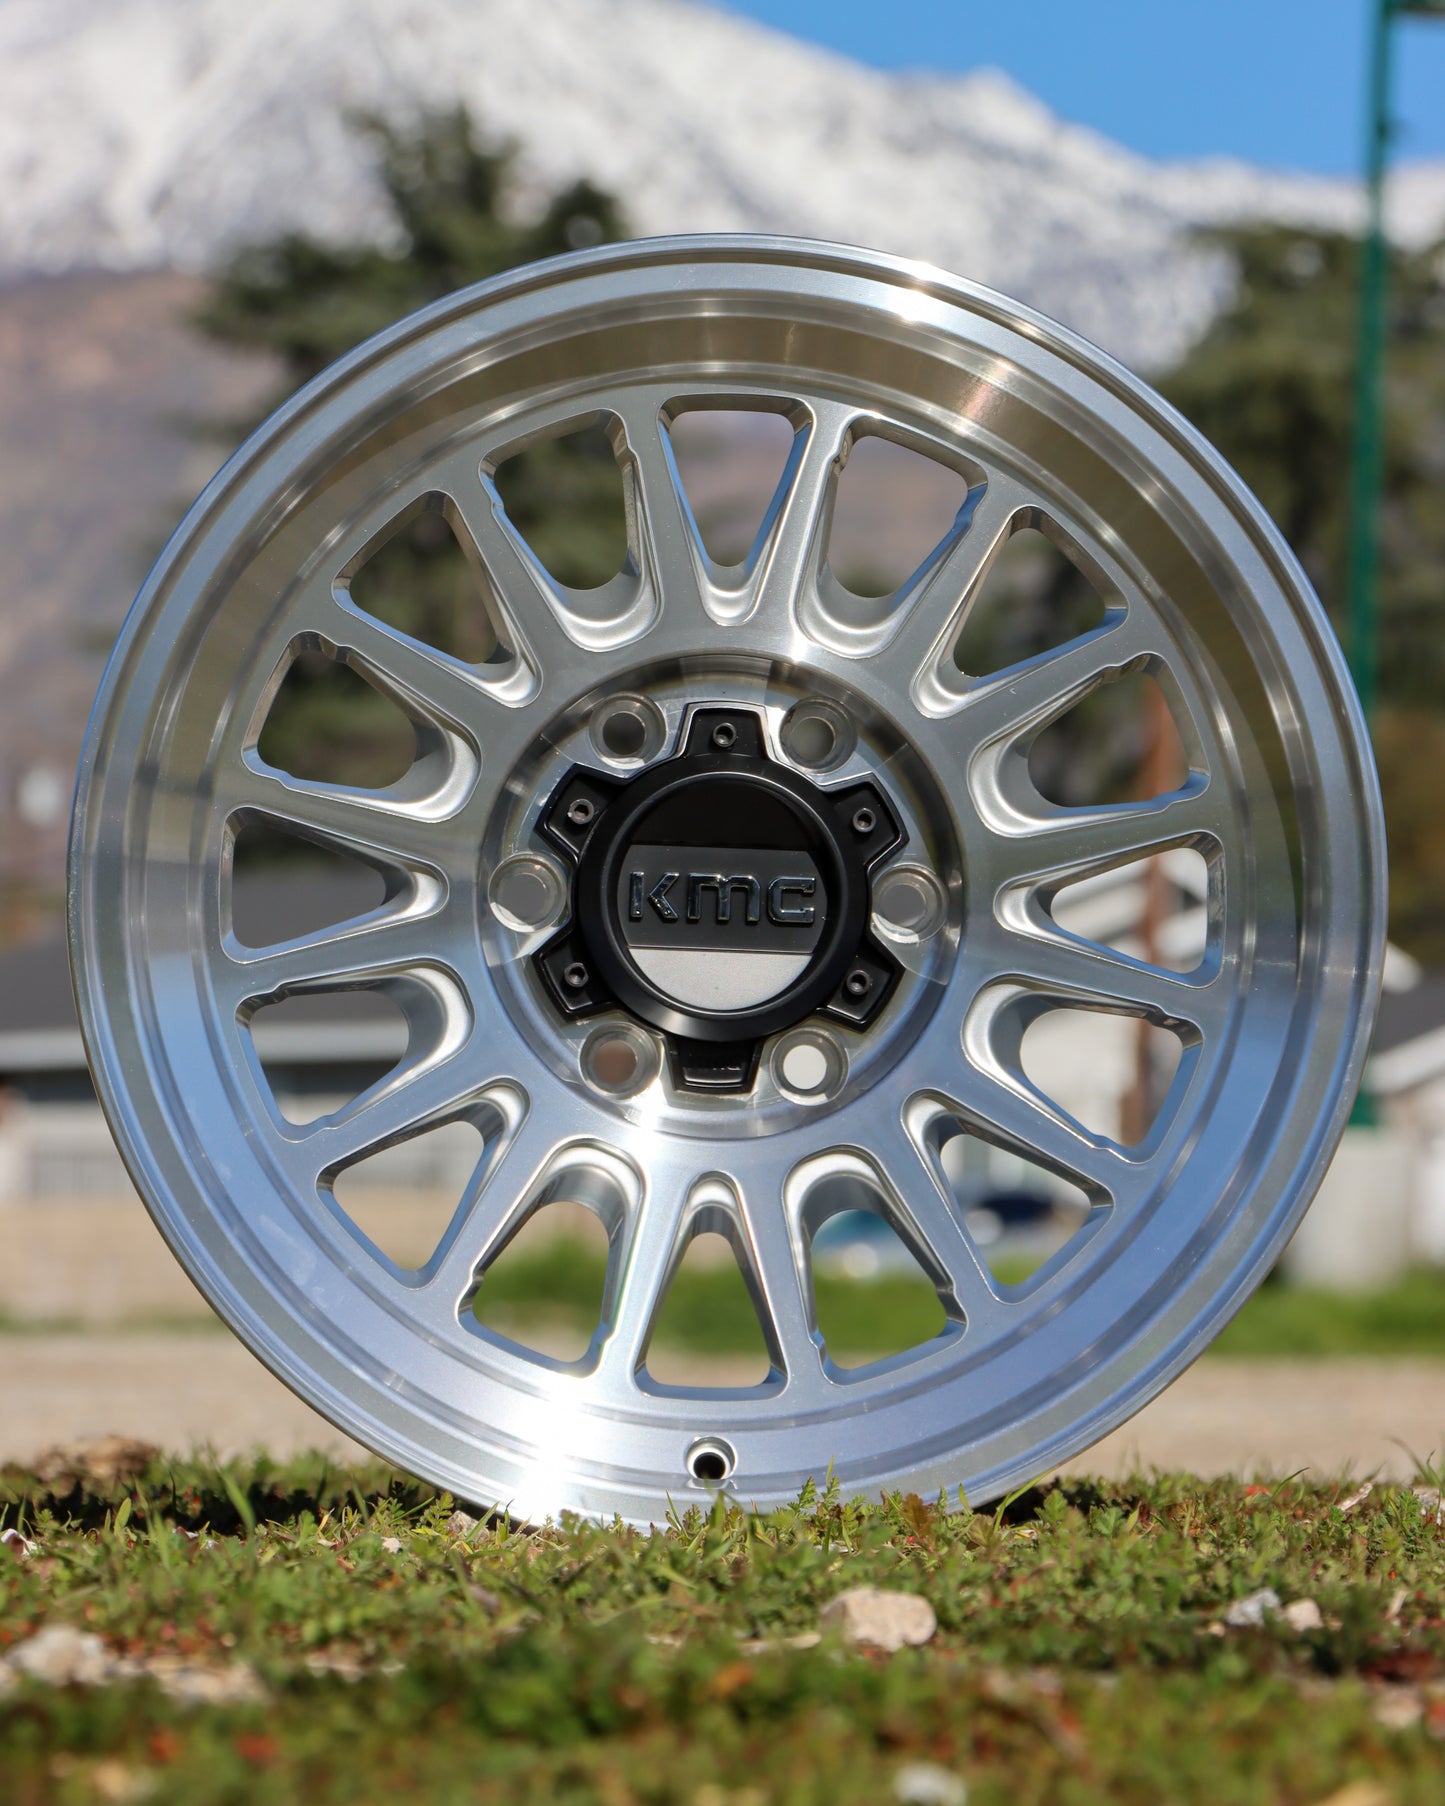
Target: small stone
392	1544
62	1656
345	1664
926	1784
460	1523
1356	1499
205	1683
112	1781
1432	1503
1398	1708
1249	1613
1303	1615
880	1618
1360	1793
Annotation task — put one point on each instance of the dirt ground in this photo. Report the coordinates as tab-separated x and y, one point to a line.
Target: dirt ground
189	1388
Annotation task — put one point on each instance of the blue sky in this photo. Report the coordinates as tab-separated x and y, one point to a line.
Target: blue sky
1279	82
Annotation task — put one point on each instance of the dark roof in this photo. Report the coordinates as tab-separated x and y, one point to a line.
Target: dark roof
35	988
38	1027
1407	1015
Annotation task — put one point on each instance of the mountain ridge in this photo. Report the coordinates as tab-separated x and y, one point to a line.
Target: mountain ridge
162	133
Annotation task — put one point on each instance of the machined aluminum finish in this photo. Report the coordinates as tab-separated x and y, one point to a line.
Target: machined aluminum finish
1280	799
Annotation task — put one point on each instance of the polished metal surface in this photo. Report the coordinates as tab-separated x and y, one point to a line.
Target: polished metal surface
1280	799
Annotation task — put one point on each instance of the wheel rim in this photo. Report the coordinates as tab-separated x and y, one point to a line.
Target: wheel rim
1280	798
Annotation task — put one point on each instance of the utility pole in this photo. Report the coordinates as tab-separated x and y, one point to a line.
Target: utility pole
1367	464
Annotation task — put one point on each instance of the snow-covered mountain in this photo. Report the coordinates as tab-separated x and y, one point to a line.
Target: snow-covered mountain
141	133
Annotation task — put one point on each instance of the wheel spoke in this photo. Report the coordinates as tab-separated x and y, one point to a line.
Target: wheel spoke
415	675
929	1208
649	1247
1085	972
532	608
1067	842
671	553
1002	1106
997	711
404	1104
793	553
930	617
390	827
508	1185
774	1243
367	949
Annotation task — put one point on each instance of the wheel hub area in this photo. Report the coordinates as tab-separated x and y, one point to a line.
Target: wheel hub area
719	897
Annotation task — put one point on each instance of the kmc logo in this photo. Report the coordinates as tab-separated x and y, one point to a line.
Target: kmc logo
781	897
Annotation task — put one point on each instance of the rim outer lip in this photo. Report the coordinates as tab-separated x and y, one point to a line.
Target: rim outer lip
597	876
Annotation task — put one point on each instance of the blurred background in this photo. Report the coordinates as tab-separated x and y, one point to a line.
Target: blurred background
203	202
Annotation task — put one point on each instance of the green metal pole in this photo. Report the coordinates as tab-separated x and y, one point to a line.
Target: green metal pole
1368	462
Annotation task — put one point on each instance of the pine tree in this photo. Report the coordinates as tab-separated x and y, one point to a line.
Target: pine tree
306	302
1271	384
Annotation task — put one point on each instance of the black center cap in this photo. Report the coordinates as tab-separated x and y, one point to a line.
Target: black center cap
719	896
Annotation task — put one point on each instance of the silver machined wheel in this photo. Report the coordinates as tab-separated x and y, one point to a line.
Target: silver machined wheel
1279	798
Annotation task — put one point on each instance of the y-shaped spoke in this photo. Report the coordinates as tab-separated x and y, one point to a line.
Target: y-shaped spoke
670	553
1057	965
359	952
794	551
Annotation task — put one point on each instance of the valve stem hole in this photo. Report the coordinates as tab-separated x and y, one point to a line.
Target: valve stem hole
711	1460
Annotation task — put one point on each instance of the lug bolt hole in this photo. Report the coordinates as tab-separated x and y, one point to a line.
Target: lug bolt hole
724	735
628	730
526	892
575	976
864	821
909	903
809	1065
857	983
580	812
816	734
618	1060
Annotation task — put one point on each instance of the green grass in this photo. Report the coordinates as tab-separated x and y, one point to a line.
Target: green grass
1080	1659
708	1312
1406	1318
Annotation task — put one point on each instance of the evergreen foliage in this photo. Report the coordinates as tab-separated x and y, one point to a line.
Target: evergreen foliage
1271	384
458	218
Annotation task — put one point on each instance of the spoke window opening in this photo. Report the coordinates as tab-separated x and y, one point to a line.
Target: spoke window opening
545	1291
731	463
1156	909
706	1334
1118	744
892	508
328	725
404	1198
284	886
422	579
1110	1072
1033	599
1019	1215
321	1050
872	1299
564	494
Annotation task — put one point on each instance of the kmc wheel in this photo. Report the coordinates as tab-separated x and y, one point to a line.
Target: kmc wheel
752	749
